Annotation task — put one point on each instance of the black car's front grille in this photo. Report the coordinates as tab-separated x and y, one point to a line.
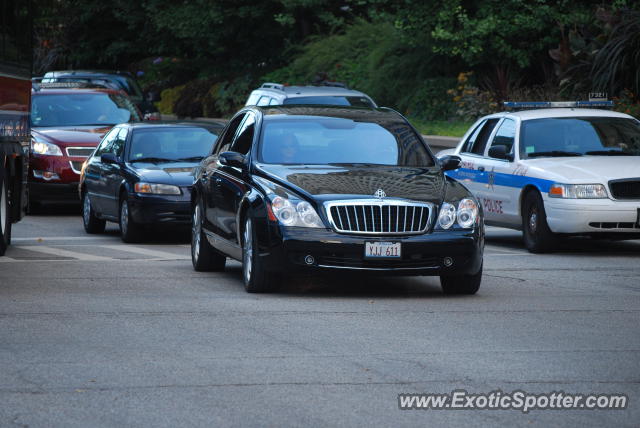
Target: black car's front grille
625	189
379	217
79	151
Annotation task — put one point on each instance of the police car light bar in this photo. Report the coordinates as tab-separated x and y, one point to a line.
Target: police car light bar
556	104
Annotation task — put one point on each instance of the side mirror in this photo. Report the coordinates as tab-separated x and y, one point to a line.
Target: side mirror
450	162
500	152
108	158
233	159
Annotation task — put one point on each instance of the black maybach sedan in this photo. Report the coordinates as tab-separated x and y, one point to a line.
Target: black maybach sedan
310	189
141	174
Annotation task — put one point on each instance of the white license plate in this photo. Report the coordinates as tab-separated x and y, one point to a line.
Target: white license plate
382	250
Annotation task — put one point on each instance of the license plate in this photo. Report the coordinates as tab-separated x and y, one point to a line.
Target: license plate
382	250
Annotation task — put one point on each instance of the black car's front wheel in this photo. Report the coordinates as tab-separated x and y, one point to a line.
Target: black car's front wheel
91	223
256	278
130	231
461	284
203	256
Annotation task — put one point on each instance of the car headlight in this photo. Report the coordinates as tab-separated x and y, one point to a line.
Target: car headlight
578	191
293	212
42	147
466	214
157	189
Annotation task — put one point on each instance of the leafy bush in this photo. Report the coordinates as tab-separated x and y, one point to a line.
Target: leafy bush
168	98
471	102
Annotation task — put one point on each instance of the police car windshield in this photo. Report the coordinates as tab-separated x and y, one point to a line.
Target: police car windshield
336	141
575	136
330	100
80	109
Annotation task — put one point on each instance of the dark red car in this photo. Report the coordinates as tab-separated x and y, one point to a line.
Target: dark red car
66	126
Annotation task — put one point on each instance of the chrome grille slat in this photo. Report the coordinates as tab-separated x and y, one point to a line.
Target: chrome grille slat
340	215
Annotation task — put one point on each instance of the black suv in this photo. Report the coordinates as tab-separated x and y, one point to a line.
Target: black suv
333	189
121	80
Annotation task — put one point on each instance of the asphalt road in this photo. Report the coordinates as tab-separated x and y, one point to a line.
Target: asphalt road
94	332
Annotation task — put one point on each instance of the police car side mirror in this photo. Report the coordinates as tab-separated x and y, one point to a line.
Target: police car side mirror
450	162
500	152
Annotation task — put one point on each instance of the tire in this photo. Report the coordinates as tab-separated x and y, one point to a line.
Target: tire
461	284
92	224
537	236
203	256
256	278
130	231
5	214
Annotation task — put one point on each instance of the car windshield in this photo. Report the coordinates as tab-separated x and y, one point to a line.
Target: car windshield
575	136
81	109
323	141
171	144
331	100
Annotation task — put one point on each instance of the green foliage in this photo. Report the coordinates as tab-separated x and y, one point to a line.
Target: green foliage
168	98
446	128
627	103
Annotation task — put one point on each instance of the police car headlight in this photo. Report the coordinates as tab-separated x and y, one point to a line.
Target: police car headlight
467	213
578	191
447	216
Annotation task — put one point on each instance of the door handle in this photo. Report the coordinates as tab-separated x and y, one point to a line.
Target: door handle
481	168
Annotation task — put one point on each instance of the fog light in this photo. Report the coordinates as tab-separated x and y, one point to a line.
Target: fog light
46	175
448	261
309	259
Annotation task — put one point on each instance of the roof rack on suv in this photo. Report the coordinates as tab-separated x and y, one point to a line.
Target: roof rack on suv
269	85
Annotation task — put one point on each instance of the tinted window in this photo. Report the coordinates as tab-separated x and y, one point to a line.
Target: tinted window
81	109
468	145
331	100
107	140
341	141
505	135
483	137
243	141
264	100
225	141
117	147
580	135
176	144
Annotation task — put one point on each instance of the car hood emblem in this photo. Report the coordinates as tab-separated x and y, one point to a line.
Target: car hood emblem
380	194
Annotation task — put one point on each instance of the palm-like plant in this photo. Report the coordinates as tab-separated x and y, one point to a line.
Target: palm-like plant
616	65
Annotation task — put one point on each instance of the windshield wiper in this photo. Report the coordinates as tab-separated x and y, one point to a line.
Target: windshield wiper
191	158
611	152
553	153
152	160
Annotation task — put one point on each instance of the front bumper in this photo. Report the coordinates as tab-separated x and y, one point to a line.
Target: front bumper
148	209
584	216
332	252
63	189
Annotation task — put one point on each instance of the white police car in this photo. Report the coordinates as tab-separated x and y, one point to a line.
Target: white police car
555	171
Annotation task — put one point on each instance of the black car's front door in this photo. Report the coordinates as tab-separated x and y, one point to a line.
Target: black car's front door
230	185
93	175
112	175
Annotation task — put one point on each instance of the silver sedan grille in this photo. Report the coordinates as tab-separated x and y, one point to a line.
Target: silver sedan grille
379	217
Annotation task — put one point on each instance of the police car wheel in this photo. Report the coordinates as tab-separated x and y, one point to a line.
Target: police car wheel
538	238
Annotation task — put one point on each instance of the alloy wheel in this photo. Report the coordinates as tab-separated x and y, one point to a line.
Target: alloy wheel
86	210
3	209
248	251
124	217
195	231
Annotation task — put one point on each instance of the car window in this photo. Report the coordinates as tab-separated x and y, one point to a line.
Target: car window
273	102
340	100
242	143
263	101
81	108
117	147
322	141
505	135
224	143
468	144
182	144
106	142
480	141
252	99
